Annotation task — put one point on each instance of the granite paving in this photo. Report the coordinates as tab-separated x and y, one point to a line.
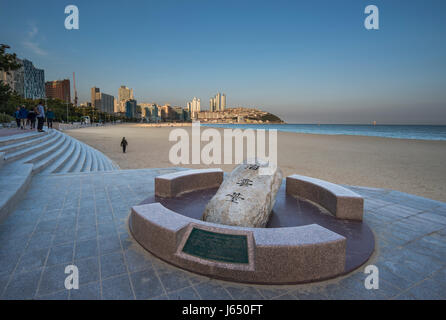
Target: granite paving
81	219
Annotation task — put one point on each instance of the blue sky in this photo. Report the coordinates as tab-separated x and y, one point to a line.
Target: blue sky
306	61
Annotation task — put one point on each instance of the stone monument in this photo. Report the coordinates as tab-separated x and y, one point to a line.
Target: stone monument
245	198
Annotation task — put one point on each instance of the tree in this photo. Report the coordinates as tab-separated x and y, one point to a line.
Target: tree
8	63
9	98
5	93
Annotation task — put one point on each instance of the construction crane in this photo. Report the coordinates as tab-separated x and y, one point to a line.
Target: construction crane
75	91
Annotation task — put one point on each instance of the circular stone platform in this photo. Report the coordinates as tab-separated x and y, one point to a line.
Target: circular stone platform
303	241
288	211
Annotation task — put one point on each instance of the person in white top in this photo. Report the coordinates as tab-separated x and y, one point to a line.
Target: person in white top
40	116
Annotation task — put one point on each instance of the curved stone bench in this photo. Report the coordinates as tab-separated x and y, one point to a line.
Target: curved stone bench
256	255
274	256
339	201
173	184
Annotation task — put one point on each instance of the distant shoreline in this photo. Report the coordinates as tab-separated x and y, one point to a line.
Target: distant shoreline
409	132
440	135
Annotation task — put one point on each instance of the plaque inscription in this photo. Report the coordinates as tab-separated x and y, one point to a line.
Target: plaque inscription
222	247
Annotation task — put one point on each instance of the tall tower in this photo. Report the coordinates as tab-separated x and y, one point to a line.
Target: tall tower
75	91
223	102
96	98
125	93
194	106
218	101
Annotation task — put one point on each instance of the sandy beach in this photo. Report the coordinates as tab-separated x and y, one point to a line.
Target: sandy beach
412	166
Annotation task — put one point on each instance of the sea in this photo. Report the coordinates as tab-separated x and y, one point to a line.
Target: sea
417	132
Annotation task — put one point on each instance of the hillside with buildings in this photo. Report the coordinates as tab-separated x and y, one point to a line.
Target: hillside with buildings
239	115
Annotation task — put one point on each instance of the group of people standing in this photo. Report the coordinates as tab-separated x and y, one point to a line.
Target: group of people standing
27	118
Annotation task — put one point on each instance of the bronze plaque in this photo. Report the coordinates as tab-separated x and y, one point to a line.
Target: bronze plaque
222	247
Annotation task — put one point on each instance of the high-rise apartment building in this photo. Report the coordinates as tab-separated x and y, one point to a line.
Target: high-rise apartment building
223	102
194	106
146	109
96	98
150	112
130	108
166	112
115	105
102	101
153	113
34	81
14	79
178	114
125	93
211	105
121	106
107	103
59	89
27	81
217	103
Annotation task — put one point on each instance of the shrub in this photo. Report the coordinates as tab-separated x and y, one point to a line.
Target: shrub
5	118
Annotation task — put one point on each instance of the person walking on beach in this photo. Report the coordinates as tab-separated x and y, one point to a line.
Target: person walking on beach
49	118
17	117
40	116
124	144
23	115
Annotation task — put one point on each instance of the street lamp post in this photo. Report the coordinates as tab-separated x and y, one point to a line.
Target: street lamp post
66	99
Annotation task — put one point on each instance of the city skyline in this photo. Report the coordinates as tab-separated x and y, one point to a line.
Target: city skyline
312	62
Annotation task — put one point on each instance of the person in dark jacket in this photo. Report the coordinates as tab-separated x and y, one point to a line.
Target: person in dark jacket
124	144
16	116
23	115
49	118
32	118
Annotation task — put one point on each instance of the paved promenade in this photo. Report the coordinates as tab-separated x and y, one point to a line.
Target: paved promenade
10	132
81	219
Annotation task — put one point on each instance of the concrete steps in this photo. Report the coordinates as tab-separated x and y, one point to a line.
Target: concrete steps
2	159
94	165
45	150
56	160
83	154
88	160
7	140
52	152
100	163
108	165
71	161
31	149
19	145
